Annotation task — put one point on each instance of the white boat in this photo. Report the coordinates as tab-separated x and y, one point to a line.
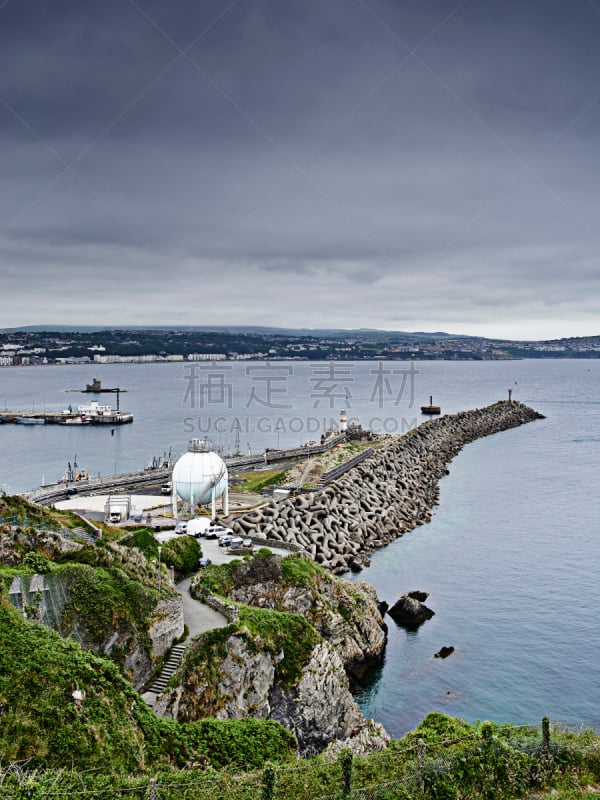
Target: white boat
30	421
81	420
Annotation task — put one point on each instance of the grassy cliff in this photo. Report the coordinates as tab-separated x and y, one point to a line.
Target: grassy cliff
43	720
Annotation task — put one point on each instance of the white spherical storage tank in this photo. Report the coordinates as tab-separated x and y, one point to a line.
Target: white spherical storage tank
199	476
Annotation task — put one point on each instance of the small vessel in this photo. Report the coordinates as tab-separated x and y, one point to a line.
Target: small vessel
30	421
431	409
80	420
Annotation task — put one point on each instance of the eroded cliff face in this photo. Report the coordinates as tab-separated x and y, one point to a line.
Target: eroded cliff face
129	628
346	615
137	646
238	678
166	624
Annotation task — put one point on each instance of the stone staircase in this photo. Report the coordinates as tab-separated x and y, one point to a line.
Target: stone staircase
169	668
81	534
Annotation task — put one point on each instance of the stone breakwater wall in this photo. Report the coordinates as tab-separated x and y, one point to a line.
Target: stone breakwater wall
383	497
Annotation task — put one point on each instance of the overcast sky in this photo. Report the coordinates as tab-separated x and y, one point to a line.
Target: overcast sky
398	164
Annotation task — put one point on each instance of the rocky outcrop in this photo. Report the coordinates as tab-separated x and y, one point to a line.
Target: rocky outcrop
409	612
346	615
444	652
242	681
386	495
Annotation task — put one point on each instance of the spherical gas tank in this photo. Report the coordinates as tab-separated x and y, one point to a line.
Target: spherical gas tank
198	472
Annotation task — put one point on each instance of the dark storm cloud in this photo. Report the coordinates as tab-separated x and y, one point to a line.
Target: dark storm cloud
268	150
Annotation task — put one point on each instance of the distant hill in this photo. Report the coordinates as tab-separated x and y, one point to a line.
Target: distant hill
260	330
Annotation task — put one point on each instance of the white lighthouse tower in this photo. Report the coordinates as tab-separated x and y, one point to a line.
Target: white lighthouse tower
343	421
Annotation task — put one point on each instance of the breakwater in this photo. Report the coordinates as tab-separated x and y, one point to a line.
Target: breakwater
384	496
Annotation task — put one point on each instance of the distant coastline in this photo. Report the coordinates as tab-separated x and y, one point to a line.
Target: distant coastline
198	346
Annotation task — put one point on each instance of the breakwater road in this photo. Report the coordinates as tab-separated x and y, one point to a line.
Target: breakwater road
383	497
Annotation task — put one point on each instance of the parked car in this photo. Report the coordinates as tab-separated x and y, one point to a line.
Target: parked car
247	543
204	562
225	540
181	527
166	488
215	531
235	542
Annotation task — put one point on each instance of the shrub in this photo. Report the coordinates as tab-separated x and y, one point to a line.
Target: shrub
182	554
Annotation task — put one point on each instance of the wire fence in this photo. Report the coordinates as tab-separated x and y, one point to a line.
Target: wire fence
495	762
78	534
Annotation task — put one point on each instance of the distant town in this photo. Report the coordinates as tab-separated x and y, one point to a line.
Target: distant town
136	345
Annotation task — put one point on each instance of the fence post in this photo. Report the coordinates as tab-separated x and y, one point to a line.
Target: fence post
346	762
545	734
152	791
421	753
268	783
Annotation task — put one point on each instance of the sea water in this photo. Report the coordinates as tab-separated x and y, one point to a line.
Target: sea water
510	559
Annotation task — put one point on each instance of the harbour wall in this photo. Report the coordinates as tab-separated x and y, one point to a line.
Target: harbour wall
384	496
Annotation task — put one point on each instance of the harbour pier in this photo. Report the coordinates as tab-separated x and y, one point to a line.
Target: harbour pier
65	418
89	414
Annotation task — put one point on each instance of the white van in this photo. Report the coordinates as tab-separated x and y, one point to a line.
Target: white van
198	526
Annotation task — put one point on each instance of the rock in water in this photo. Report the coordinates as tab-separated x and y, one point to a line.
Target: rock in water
444	652
419	595
410	613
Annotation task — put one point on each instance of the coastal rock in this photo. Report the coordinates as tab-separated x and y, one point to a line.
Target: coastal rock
242	682
418	595
346	615
410	613
444	652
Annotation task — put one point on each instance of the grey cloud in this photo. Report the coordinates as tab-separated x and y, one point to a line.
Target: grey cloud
301	159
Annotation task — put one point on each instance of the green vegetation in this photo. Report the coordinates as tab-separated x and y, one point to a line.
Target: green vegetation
37	516
65	710
263	567
296	570
182	554
57	729
112	556
143	539
256	481
485	762
102	602
284	633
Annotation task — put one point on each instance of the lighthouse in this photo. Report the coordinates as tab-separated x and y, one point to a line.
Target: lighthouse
343	422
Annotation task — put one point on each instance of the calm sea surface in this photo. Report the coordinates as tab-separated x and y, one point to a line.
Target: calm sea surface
511	558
